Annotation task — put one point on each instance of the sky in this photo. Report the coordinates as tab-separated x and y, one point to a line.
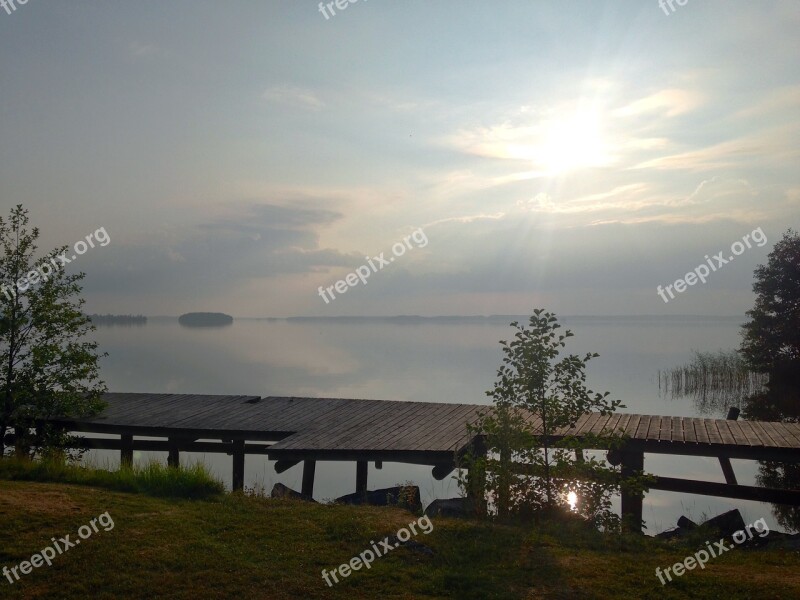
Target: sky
566	154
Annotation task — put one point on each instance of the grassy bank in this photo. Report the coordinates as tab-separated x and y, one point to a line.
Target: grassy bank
243	547
154	479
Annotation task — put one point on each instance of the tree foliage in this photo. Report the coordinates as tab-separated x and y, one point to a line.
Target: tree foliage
527	467
47	369
771	339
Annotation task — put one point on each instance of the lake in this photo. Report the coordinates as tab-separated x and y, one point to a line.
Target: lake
431	360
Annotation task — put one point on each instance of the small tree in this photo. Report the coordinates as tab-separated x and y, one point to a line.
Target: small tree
47	369
771	339
529	466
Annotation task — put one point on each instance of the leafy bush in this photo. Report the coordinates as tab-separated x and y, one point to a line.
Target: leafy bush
528	467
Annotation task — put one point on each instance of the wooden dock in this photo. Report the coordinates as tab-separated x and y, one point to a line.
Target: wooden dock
288	430
293	430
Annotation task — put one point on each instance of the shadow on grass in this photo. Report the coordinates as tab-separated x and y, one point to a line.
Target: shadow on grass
490	561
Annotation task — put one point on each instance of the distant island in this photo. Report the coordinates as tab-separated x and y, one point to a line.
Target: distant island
118	319
205	319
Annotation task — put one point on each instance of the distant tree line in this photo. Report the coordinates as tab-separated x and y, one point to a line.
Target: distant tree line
118	319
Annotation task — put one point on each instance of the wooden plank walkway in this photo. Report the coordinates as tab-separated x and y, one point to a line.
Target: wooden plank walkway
696	436
291	430
343	426
301	426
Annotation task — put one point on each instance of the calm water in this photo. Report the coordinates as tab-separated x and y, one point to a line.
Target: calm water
434	362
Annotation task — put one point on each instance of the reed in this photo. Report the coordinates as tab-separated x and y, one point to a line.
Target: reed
715	380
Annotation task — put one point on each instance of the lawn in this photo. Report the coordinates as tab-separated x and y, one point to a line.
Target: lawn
234	546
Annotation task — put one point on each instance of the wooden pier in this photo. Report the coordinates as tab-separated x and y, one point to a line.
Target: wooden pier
287	430
293	430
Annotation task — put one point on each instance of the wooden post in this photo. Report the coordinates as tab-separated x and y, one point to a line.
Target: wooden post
126	451
309	468
174	458
361	477
632	461
237	482
724	461
476	477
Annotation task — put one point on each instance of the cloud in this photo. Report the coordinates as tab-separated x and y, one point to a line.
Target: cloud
776	147
778	101
142	50
669	103
464	219
289	95
256	241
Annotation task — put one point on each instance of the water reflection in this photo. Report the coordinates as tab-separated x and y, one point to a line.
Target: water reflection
430	361
780	402
715	381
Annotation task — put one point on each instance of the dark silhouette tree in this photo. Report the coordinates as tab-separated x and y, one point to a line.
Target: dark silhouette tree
771	339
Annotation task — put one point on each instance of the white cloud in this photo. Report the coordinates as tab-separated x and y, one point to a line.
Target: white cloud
139	49
669	102
290	95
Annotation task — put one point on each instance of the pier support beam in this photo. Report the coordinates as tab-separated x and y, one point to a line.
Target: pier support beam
724	461
632	462
285	465
362	468
309	469
439	472
476	476
237	483
126	451
174	457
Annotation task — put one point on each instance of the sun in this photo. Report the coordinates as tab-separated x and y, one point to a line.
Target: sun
573	142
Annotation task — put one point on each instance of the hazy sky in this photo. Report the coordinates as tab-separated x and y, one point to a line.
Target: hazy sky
567	154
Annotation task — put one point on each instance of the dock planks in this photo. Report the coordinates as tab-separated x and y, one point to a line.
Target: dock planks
329	426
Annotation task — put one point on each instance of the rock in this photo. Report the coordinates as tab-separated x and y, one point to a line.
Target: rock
451	507
727	523
685	525
404	496
281	491
669	534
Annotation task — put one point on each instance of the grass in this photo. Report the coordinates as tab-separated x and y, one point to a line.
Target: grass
238	546
154	479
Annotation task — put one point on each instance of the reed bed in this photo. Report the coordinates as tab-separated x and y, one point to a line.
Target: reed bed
716	380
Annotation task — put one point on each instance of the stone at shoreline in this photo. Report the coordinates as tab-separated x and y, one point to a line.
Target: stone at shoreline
727	523
405	496
281	491
451	507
